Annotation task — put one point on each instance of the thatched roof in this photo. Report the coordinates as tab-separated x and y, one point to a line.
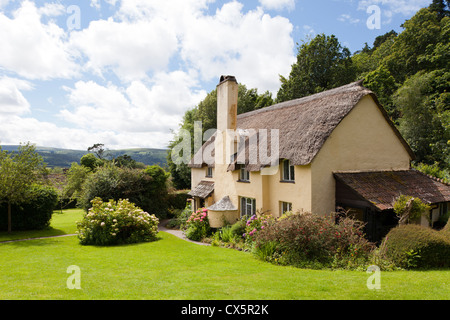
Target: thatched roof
381	188
304	124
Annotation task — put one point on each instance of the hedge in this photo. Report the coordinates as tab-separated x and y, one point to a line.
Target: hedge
413	246
34	213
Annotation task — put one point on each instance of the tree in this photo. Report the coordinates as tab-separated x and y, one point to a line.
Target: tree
439	7
383	83
322	64
90	161
18	171
99	150
423	124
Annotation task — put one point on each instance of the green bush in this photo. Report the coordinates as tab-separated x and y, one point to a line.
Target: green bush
178	199
238	229
112	223
197	226
34	213
413	246
146	188
447	228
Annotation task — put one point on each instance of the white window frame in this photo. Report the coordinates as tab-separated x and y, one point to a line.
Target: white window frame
248	206
289	173
209	172
244	175
285	207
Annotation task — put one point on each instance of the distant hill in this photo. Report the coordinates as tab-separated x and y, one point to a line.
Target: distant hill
56	157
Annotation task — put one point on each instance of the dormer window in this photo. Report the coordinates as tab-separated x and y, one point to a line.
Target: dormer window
288	171
244	175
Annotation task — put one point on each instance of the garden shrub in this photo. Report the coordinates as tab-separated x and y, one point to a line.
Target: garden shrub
446	228
413	246
255	224
238	229
308	240
112	223
178	199
197	226
147	188
34	213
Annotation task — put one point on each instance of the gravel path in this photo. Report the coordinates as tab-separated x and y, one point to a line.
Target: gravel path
178	233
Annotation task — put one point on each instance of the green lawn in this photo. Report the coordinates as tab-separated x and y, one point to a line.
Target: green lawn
171	268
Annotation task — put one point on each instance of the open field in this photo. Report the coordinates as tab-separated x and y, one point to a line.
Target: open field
174	269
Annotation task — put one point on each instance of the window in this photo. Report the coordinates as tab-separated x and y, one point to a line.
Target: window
288	171
443	209
248	207
285	207
244	175
209	172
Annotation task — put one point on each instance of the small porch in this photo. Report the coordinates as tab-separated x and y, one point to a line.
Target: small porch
202	195
369	197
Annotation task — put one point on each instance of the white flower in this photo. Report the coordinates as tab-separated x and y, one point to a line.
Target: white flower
102	224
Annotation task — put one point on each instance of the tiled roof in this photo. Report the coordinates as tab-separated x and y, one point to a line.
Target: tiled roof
203	189
382	187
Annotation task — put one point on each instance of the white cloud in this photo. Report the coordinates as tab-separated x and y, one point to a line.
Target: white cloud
143	37
391	7
159	51
17	129
278	4
348	18
253	46
51	9
12	101
308	30
130	49
139	109
35	50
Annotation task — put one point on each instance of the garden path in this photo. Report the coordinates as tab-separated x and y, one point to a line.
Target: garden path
178	233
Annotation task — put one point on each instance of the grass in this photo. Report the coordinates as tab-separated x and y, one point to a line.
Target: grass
174	269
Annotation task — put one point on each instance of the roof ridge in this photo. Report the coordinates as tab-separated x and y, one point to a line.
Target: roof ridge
432	177
320	95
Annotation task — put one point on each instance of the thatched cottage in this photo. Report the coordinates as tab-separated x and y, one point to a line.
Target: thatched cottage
333	150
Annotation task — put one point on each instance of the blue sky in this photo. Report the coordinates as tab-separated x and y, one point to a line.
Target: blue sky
123	72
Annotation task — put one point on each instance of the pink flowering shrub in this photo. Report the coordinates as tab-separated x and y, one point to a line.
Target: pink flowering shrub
253	225
308	240
112	223
197	226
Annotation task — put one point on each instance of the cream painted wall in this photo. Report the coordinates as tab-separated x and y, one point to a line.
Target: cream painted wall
362	141
266	189
198	175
